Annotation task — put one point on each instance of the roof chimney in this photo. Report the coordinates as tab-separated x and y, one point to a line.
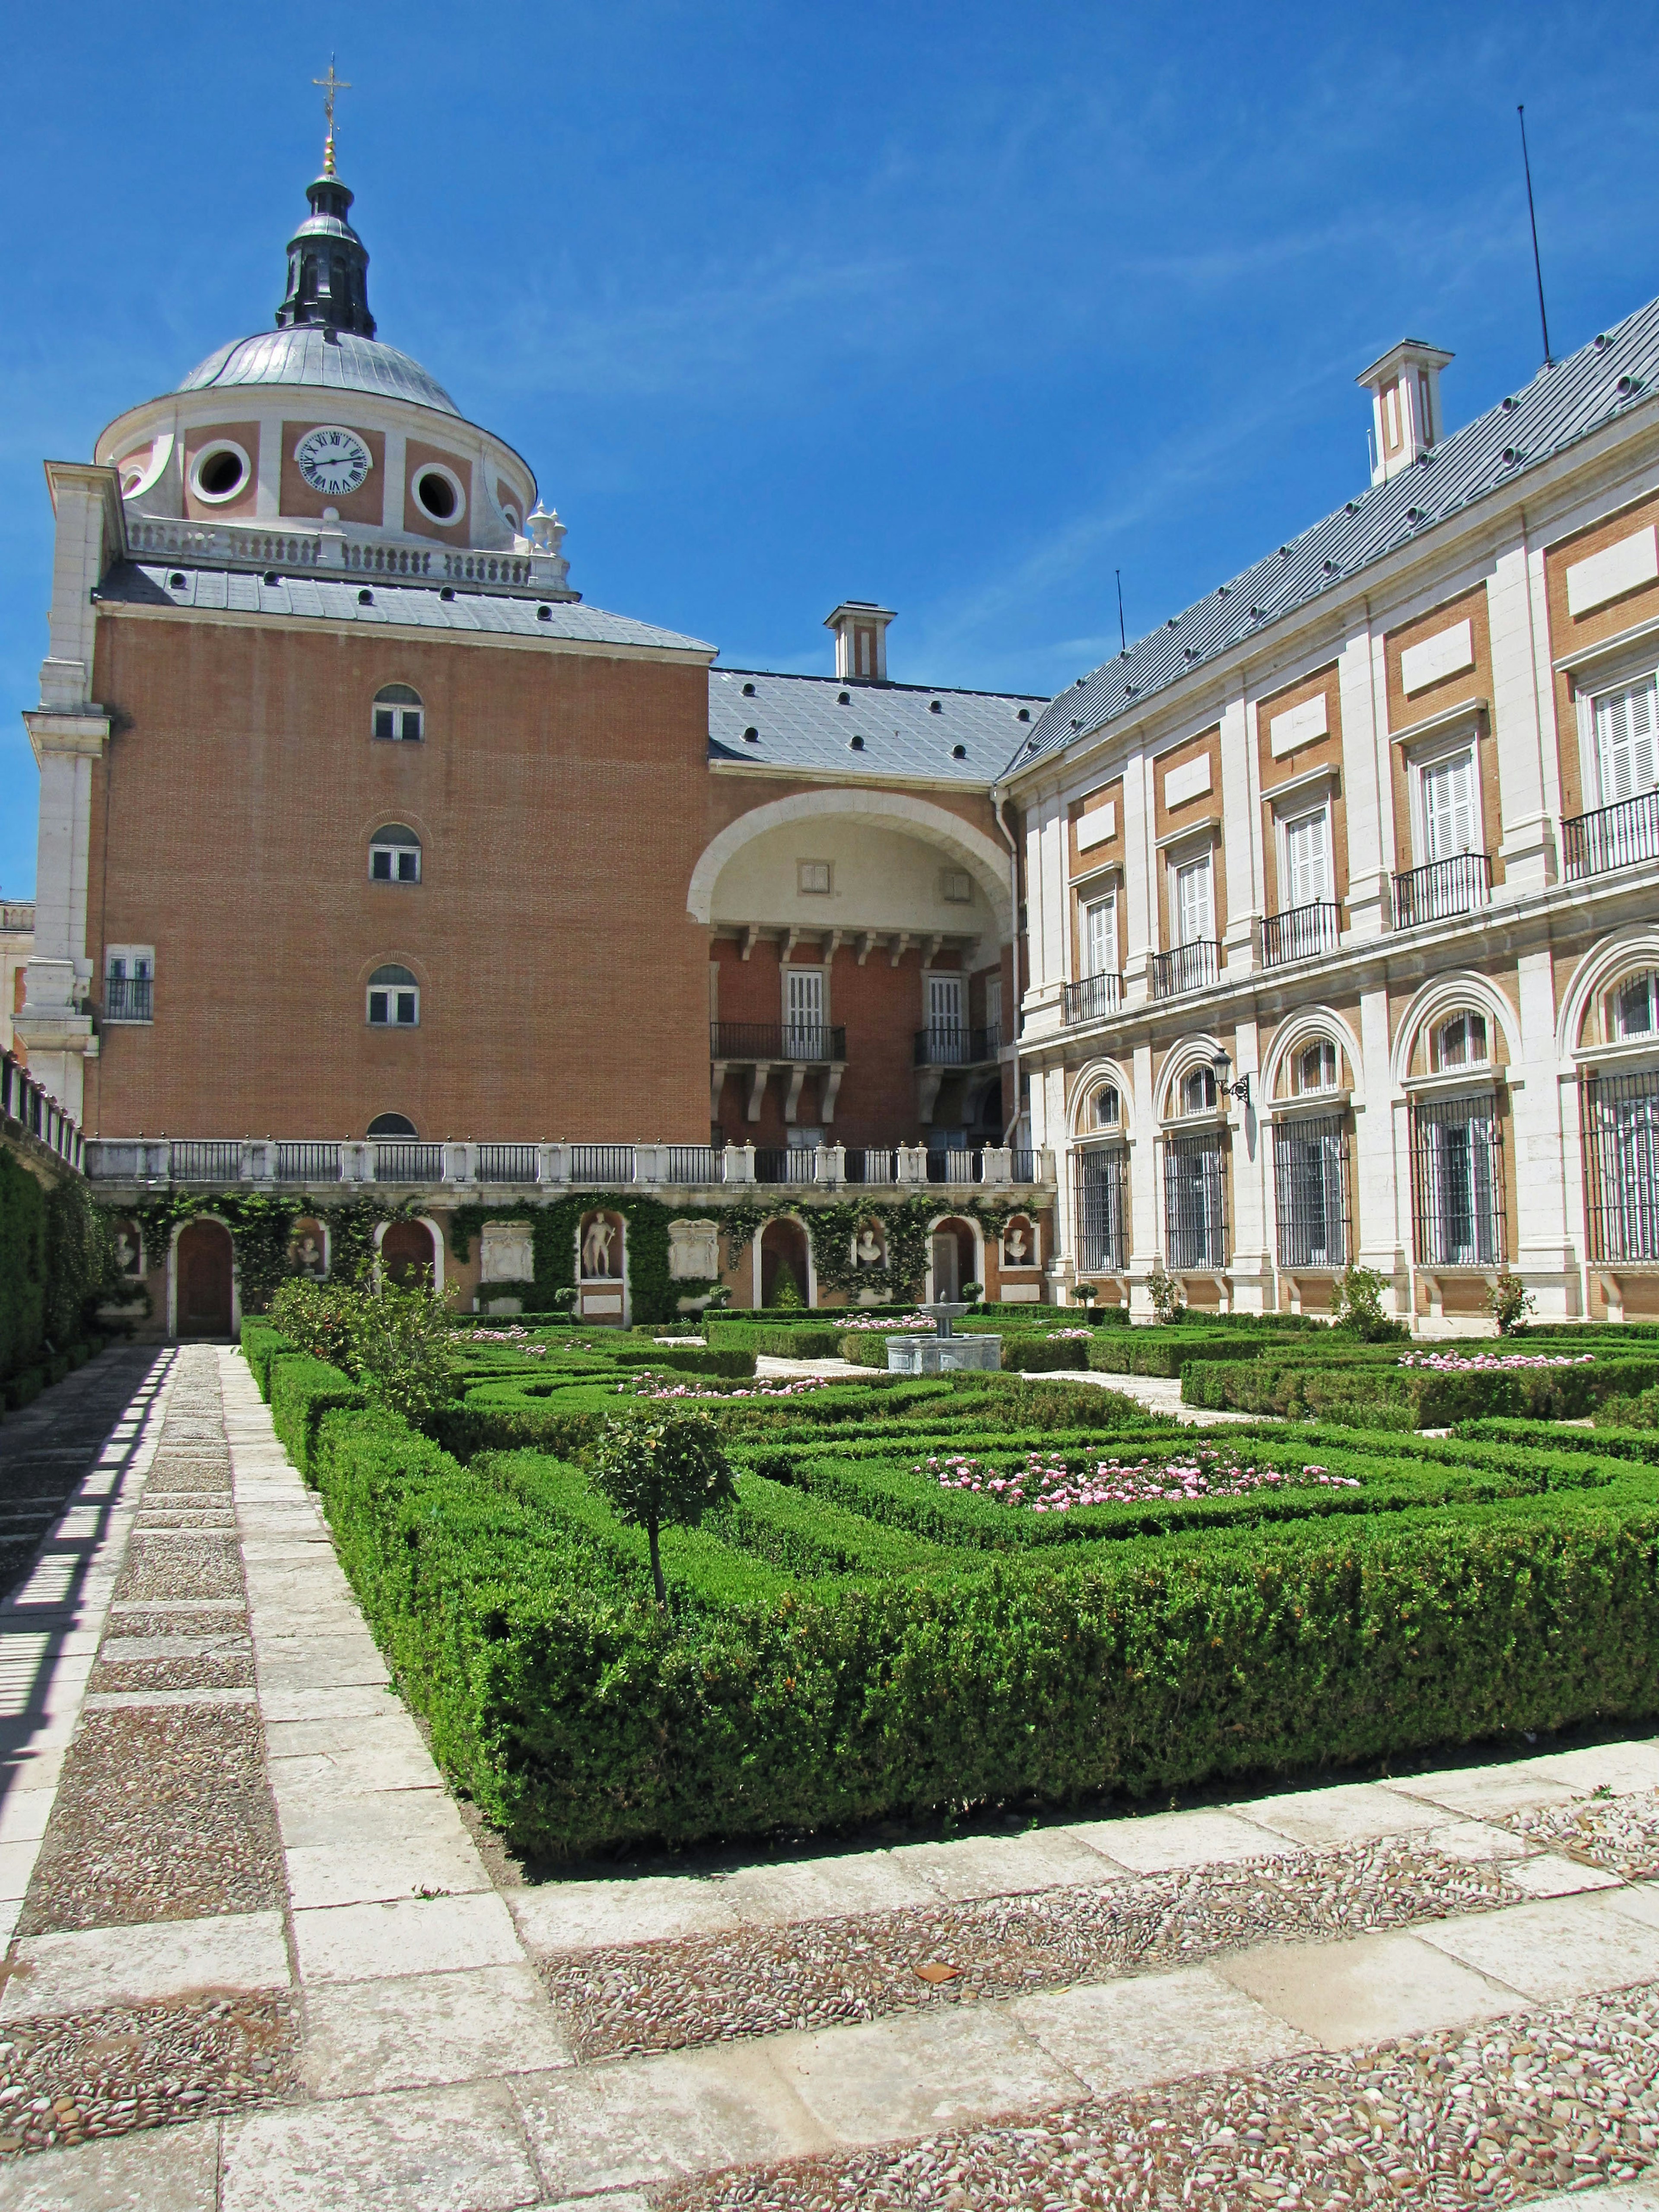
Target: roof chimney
1405	418
860	629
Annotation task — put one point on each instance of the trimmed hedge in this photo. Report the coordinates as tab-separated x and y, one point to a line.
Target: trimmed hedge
1373	1391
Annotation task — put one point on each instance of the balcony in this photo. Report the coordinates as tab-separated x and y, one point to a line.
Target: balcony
27	1109
954	1047
128	998
1192	967
1613	836
452	1173
1090	999
777	1042
1442	891
1300	933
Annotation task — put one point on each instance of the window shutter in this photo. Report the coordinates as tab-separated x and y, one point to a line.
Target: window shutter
1193	896
1627	754
1307	851
1102	947
1448	807
945	1002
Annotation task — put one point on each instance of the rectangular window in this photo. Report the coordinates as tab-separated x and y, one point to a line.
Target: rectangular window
1627	741
1451	825
1308	859
129	984
1100	938
1194	906
812	878
1102	1210
1457	1179
945	1002
394	1009
1195	1201
1621	1166
1311	1184
803	1013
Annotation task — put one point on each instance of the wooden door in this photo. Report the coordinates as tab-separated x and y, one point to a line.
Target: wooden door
203	1260
406	1252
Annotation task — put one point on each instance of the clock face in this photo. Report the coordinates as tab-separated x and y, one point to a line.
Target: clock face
333	460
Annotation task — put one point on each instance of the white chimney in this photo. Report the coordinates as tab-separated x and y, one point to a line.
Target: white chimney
1405	418
860	629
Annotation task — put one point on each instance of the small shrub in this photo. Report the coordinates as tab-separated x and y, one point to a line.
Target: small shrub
317	1318
662	1474
1356	1307
394	1337
1164	1292
786	1290
1509	1301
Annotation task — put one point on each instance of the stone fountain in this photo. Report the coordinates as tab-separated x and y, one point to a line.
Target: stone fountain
944	1353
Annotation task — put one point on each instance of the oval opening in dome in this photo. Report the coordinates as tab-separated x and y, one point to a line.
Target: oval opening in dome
437	494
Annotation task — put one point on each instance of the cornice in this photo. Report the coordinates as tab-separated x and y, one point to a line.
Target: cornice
405	633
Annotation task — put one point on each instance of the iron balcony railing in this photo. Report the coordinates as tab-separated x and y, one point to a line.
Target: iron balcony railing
1090	999
1102	1202
1186	968
1613	836
129	998
1300	933
1620	1124
1442	890
776	1040
29	1109
264	1161
1310	1189
944	1046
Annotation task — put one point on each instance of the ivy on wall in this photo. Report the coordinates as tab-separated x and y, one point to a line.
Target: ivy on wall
261	1226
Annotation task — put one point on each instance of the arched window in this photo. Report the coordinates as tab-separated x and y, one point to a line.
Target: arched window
394	855
1633	1007
394	999
1108	1106
1315	1066
1198	1091
390	1125
398	713
1460	1043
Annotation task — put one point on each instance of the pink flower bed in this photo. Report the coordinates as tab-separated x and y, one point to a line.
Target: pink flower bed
647	1385
1049	1486
906	1325
1487	1363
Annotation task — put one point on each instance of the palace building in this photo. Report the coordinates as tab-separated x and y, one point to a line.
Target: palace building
1316	928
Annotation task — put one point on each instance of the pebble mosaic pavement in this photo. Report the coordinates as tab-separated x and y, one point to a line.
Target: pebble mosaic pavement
257	1961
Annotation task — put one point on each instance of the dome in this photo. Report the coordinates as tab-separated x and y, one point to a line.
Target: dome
332	361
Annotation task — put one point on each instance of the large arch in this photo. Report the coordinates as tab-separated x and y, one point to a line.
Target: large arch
985	859
1444	995
1597	972
1311	1025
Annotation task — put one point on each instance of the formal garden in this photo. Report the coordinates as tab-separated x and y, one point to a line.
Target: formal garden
642	1595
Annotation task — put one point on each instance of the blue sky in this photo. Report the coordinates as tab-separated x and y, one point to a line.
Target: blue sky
959	307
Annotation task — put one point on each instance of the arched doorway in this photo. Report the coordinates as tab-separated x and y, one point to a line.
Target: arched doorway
406	1252
205	1261
952	1255
784	1258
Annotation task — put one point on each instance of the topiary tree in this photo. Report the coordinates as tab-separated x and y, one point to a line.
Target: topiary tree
1085	1294
660	1473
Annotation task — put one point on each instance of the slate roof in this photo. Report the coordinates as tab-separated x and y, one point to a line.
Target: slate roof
339	360
327	598
800	723
1616	372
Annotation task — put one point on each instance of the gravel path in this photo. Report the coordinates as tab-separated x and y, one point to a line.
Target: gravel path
1492	2115
672	1995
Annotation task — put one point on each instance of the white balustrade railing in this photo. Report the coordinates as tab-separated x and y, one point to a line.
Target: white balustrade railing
408	1162
271	547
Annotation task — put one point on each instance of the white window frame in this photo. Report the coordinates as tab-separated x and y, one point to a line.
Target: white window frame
944	999
1097	1118
1293	819
393	997
1616	1033
1421	764
1326	1047
812	979
128	963
394	854
1590	749
1438	1063
1185	1110
1102	902
400	711
1179	863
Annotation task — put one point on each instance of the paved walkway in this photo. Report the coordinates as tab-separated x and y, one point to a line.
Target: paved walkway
258	1963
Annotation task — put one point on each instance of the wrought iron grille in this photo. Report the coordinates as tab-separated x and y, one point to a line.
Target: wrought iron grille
1613	836
402	1160
1300	933
1186	968
808	1040
1311	1185
1621	1123
1442	890
1103	1187
1091	998
129	998
1457	1180
206	1160
1195	1201
507	1163
306	1163
695	1163
602	1165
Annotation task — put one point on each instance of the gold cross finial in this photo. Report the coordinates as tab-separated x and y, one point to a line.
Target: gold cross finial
331	84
